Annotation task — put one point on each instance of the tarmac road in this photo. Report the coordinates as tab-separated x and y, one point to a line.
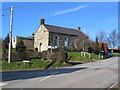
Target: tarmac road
98	74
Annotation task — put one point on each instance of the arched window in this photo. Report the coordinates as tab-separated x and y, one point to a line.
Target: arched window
74	41
56	40
65	41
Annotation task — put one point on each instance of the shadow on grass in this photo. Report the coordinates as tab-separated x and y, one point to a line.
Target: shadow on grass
17	75
72	63
69	58
53	62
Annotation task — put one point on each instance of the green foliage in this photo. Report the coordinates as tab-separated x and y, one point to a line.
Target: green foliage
33	64
6	41
36	55
97	49
26	55
20	47
30	49
117	54
44	55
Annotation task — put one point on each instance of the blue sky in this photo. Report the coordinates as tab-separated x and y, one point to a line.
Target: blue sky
93	16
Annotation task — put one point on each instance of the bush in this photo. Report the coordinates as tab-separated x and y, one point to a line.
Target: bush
27	55
30	49
44	55
60	56
36	55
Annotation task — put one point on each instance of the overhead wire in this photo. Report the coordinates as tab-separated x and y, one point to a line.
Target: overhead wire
4	9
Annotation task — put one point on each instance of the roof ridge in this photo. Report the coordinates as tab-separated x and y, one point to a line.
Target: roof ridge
63	27
58	29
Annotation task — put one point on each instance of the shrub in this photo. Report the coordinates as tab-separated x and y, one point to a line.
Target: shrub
36	55
60	56
30	49
97	49
44	55
27	55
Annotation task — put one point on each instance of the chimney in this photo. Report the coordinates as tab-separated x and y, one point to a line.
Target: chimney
79	28
42	21
33	34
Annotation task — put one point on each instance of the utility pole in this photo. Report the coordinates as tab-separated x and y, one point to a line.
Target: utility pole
10	35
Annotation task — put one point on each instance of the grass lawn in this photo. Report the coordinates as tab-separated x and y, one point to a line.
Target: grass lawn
118	54
76	56
33	64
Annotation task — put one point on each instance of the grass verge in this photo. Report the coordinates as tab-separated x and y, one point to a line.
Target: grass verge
33	64
42	64
76	56
117	54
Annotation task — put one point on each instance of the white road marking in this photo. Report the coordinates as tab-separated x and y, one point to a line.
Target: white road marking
112	85
45	78
2	84
48	76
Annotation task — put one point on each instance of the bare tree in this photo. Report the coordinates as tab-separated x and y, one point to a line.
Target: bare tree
112	39
101	36
82	43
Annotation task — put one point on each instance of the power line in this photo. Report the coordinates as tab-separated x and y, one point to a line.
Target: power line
33	5
6	14
4	9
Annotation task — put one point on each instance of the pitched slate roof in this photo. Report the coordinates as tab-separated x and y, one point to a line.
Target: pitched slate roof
28	38
63	30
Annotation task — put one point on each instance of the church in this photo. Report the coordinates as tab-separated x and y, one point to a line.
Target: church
56	37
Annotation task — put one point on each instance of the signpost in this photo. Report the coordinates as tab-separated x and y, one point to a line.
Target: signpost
51	47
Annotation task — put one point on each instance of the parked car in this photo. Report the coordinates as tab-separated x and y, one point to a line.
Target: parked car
110	54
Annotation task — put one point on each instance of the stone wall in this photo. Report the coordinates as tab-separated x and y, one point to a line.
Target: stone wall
72	44
41	38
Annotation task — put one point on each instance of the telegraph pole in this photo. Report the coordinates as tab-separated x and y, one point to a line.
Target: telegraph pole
10	34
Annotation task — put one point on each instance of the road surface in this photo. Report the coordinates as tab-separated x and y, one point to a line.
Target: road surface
98	74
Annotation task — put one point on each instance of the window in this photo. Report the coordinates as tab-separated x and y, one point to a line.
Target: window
74	43
14	39
56	39
65	41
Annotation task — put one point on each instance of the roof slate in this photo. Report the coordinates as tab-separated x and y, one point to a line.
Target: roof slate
63	30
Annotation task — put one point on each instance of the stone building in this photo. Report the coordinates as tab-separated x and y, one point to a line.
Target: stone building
48	36
28	41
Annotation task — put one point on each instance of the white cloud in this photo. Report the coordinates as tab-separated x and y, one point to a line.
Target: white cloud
69	10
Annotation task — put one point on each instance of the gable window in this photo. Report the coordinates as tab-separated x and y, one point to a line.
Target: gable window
65	41
56	41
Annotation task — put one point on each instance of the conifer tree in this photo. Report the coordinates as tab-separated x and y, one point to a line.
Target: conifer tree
97	49
20	47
